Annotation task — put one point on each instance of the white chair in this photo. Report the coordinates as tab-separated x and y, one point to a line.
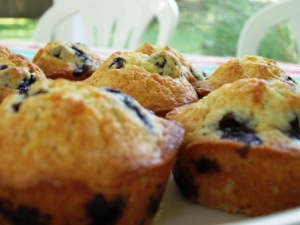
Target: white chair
262	21
107	23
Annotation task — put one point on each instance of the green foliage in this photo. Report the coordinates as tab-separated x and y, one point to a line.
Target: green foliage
280	44
228	20
208	27
17	29
214	26
217	21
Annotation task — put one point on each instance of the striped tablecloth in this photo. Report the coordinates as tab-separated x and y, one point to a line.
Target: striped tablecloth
207	63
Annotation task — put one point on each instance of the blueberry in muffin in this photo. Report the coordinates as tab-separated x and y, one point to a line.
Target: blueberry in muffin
74	154
17	73
68	60
156	81
241	147
191	72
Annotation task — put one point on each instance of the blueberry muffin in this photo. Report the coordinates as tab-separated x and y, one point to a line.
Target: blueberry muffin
17	73
246	67
156	81
191	72
68	60
74	154
241	148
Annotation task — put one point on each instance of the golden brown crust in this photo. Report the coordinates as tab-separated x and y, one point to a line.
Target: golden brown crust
224	176
17	73
241	147
72	61
246	67
92	151
155	81
72	202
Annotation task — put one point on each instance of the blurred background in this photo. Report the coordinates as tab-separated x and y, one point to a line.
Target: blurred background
206	27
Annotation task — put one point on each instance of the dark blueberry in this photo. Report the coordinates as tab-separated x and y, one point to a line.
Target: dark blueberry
161	64
158	186
243	152
288	78
205	165
25	84
16	106
204	74
142	222
23	215
78	52
130	103
112	90
294	132
185	182
102	212
237	131
81	70
153	204
3	67
56	53
118	63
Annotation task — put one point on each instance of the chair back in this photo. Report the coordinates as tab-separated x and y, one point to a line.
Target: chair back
262	21
103	23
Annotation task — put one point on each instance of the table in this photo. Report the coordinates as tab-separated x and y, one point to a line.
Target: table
207	63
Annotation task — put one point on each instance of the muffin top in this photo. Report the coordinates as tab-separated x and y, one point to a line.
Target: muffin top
251	111
246	67
17	73
66	130
69	60
191	72
156	81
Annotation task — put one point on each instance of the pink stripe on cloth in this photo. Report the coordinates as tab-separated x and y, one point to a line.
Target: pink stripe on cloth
197	60
22	45
291	69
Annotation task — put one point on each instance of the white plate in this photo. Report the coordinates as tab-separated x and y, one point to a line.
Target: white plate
176	210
